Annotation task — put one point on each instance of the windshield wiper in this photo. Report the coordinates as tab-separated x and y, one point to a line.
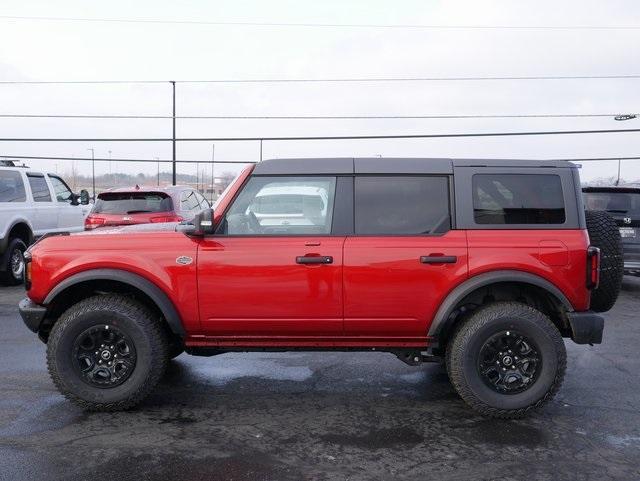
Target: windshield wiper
137	211
617	211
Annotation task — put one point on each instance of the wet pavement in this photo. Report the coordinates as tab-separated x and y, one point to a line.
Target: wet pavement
316	416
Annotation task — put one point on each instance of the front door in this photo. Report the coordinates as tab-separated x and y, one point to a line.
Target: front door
70	216
403	259
273	270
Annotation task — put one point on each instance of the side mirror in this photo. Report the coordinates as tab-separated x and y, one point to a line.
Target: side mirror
84	197
202	224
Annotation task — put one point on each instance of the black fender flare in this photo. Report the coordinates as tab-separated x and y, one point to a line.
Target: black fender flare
157	295
467	287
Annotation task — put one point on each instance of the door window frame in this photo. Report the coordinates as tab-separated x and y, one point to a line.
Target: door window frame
57	177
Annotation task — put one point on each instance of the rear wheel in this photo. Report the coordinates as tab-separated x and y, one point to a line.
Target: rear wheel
605	235
506	359
14	262
106	353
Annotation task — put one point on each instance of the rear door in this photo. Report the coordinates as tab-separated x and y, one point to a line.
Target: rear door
274	269
403	259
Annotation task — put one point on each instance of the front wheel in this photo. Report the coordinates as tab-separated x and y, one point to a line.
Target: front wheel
506	359
106	353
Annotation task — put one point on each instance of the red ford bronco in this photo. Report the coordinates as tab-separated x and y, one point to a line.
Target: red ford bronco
486	265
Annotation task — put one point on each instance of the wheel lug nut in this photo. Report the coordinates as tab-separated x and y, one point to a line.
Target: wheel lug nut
101	345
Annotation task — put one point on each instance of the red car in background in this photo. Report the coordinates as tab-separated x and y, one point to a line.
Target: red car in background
143	205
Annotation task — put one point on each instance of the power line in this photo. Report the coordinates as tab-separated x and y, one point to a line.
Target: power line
334	80
29	157
325	137
308	117
323	25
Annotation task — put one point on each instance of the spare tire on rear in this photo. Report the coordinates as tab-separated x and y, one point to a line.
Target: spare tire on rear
605	235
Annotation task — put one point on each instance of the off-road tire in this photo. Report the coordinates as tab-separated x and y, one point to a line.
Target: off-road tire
8	277
605	234
130	317
462	358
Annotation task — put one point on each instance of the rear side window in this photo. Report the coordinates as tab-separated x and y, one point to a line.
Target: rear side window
11	187
518	199
132	203
39	188
395	205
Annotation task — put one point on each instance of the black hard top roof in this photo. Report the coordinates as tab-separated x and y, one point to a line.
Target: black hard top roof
377	165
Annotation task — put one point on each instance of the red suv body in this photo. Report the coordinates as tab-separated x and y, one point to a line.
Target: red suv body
396	255
143	205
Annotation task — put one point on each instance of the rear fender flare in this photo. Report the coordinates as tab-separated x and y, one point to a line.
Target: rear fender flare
467	287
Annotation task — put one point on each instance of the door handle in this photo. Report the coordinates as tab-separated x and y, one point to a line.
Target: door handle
314	260
438	259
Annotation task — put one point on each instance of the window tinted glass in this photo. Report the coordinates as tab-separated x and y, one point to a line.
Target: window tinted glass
189	201
63	193
132	203
11	187
614	202
39	188
283	205
518	199
401	205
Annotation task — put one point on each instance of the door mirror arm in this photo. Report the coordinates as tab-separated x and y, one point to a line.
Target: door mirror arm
201	225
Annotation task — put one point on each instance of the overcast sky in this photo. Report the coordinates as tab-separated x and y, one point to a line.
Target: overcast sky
75	50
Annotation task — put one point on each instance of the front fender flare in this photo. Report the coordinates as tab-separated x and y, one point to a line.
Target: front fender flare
481	280
156	294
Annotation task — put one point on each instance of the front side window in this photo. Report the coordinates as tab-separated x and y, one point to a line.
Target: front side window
63	193
518	199
39	188
401	205
282	206
11	187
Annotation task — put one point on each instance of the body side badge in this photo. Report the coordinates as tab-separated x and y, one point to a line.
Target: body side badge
184	260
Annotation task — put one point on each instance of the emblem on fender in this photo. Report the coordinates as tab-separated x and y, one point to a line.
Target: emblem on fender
184	260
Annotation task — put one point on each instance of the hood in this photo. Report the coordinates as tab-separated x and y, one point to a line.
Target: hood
133	228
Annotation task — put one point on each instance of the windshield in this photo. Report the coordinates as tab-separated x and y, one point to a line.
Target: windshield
132	203
615	202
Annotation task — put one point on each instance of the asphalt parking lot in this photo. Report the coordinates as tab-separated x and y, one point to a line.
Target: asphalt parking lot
315	416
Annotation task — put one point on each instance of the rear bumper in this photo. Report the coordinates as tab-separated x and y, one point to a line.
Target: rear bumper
586	327
32	314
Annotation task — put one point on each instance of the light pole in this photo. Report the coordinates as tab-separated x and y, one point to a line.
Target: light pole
110	167
158	159
93	173
173	117
213	159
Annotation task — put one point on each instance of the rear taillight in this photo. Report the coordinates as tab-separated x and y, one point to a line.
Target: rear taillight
166	218
593	267
91	222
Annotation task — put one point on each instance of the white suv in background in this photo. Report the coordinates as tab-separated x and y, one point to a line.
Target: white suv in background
33	203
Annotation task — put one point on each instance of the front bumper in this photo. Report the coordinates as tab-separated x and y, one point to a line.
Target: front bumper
32	314
586	327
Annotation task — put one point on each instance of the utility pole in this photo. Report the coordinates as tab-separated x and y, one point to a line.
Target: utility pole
173	88
618	181
158	159
260	150
213	160
93	173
